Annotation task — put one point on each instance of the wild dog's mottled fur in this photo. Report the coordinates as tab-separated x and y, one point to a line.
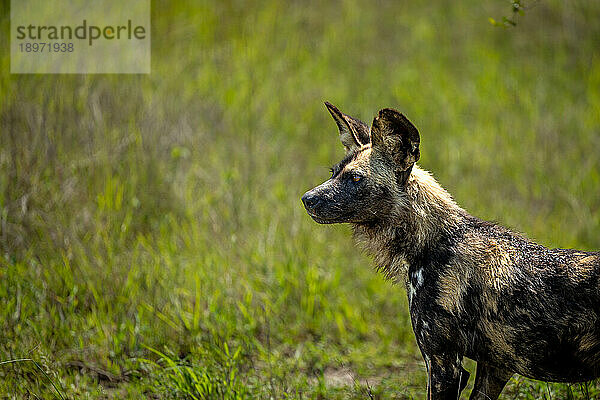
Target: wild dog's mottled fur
475	289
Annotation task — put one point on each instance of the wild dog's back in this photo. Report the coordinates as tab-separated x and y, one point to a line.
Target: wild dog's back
538	308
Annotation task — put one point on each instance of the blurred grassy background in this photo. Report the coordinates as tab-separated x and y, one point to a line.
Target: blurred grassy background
153	244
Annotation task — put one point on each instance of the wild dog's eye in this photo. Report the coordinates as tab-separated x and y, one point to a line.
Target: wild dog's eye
356	178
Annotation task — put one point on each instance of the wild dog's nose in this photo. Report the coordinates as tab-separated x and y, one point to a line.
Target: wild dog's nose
310	201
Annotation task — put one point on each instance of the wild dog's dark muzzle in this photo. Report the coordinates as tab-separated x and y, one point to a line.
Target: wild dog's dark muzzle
319	204
326	204
311	200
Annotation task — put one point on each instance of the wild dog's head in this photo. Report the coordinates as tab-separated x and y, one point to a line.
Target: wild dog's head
366	185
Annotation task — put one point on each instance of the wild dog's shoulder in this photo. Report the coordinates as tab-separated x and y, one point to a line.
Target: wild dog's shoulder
486	239
494	231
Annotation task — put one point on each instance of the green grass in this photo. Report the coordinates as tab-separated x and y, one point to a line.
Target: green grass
153	244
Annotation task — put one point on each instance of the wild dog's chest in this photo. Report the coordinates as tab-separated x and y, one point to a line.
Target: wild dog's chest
430	305
432	291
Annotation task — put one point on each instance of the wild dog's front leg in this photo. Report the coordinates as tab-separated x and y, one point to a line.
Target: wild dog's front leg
489	382
446	377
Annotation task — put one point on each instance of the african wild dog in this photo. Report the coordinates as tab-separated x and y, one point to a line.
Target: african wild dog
475	289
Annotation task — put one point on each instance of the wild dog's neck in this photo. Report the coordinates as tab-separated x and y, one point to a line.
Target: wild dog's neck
425	214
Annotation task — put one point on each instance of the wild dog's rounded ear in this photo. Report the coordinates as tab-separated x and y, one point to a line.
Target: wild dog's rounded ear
394	133
353	132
